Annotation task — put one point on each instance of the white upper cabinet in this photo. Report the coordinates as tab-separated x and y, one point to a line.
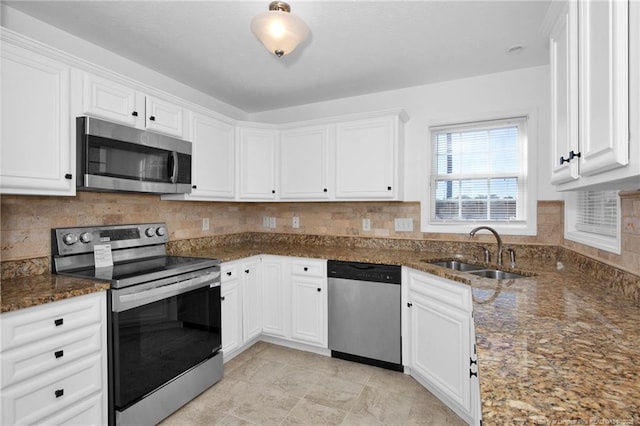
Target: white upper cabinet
112	101
563	46
304	163
36	155
593	144
368	157
213	165
257	163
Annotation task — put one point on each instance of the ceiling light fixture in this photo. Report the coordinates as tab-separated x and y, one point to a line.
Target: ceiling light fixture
279	30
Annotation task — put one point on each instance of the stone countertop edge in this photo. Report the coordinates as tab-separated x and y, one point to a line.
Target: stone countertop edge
555	347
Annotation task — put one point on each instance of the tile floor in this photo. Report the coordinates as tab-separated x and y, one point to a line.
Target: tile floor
274	385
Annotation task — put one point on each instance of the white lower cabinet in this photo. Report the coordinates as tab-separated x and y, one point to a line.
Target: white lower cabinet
441	346
54	363
231	307
309	300
251	298
276	298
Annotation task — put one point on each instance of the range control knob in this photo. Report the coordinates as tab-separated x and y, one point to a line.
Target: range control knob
86	237
70	239
150	232
161	231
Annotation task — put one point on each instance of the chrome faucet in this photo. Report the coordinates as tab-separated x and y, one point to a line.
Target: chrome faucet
495	234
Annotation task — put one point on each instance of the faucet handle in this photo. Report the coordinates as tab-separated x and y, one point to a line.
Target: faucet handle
487	254
512	256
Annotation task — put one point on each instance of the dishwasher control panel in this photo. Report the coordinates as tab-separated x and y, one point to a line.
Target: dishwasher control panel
364	271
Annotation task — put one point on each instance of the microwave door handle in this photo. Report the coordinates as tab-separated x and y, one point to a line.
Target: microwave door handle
174	168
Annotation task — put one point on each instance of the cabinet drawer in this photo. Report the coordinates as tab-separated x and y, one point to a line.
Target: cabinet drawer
40	357
40	322
309	268
90	411
30	401
229	272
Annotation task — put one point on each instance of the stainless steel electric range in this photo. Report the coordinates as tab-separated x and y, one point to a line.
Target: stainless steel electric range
164	316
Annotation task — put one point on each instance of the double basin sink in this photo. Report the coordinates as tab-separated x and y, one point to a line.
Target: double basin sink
480	271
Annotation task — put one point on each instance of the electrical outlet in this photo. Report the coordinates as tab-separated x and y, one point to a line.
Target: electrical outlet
295	222
265	221
404	224
366	224
205	223
272	222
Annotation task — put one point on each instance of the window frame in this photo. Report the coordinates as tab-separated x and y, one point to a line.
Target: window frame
527	184
612	244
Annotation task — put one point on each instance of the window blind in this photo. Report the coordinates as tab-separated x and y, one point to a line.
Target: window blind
597	212
478	172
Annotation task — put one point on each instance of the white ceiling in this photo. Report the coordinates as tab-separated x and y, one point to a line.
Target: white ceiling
356	47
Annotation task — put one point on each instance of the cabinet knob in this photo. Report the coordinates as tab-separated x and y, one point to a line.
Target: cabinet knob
246	271
152	118
273	191
573	155
319	290
59	393
324	190
194	186
59	322
68	176
409	304
134	113
229	273
306	269
59	354
222	298
564	160
388	188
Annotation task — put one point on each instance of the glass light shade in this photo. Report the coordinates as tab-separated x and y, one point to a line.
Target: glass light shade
280	32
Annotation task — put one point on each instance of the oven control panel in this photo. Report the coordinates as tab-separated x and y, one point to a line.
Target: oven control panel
80	240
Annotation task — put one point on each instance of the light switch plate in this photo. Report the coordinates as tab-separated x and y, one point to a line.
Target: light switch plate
366	224
295	222
205	223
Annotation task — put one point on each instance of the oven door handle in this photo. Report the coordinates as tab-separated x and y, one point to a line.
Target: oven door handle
124	302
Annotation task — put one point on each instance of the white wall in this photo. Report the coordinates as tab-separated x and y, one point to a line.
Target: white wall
54	37
447	102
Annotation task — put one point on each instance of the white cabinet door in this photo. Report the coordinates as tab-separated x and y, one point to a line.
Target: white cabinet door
251	299
258	149
164	117
304	163
366	158
563	46
213	173
276	296
309	302
440	347
231	305
36	155
107	99
440	312
604	85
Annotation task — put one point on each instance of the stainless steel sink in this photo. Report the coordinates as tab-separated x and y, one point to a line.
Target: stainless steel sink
457	265
497	274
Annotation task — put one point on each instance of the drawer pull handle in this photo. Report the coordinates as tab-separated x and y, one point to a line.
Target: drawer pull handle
59	322
59	393
229	273
59	354
152	118
134	113
68	176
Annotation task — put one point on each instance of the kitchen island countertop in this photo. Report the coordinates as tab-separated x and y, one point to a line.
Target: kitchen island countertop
555	348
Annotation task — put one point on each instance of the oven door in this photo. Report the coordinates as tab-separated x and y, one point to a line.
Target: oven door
158	333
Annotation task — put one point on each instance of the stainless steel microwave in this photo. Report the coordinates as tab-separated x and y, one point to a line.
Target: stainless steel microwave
112	157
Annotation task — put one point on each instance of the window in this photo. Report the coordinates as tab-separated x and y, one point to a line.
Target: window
479	175
593	218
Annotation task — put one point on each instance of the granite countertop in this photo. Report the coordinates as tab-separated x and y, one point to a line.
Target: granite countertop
555	348
24	292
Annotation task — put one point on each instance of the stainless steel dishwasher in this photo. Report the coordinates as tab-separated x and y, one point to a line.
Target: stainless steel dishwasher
364	313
